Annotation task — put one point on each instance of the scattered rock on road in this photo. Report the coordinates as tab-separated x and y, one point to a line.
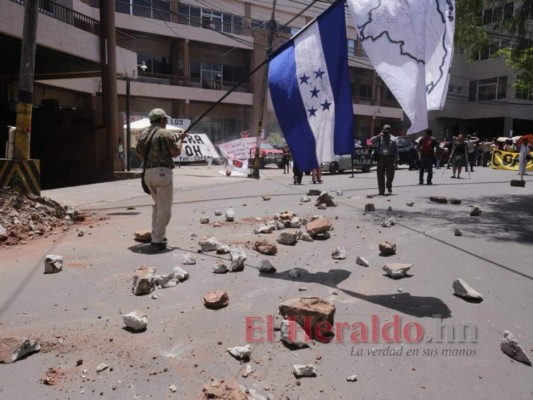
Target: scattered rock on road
304	371
351	378
370	207
293	335
265	247
325	198
189	259
266	267
387	248
339	253
230	214
287	238
237	257
475	211
209	243
309	313
53	264
439	199
220	267
463	289
240	352
13	348
362	261
143	281
204	220
397	270
410	203
217	299
511	347
388	222
136	320
144	235
455	201
318	226
458	232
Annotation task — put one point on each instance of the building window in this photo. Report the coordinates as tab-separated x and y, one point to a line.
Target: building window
352	45
209	19
488	89
451	88
491	50
156	66
217	76
498	14
524	94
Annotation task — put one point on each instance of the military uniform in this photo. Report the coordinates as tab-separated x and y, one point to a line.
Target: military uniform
158	175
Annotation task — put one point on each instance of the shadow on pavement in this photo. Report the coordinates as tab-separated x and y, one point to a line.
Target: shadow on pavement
417	306
507	219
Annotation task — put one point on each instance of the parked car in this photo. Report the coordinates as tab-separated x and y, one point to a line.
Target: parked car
269	155
343	163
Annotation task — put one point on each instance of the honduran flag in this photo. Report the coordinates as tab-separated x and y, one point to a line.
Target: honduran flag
310	89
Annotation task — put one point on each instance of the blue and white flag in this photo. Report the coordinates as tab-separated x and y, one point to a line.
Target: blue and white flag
310	89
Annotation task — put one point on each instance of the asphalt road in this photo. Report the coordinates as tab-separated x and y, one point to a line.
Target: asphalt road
77	313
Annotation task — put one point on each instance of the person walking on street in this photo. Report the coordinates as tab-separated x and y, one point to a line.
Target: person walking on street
157	146
427	146
316	175
286	159
458	157
297	174
471	143
387	150
523	156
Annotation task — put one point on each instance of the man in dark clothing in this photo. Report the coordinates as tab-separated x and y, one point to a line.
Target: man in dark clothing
387	149
427	146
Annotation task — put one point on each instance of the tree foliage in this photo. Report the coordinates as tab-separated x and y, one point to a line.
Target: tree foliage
472	34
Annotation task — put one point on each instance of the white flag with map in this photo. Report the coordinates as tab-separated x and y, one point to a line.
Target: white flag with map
410	44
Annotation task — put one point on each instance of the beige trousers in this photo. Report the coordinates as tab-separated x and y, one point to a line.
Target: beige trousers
160	182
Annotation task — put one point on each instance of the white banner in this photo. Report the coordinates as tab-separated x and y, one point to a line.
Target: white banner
238	149
196	147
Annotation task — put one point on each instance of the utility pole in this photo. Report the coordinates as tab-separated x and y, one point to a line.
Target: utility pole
272	27
21	173
108	60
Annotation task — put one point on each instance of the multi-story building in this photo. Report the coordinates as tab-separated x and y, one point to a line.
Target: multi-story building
481	95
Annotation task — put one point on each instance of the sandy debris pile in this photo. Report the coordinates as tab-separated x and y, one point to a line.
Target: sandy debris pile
25	216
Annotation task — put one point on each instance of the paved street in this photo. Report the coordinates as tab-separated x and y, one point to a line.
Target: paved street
77	313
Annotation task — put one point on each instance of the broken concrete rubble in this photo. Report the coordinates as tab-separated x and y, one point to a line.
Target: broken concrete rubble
14	348
143	281
237	258
318	226
216	299
265	247
387	248
230	214
53	264
388	222
266	267
293	335
464	290
228	389
397	270
327	199
204	220
220	267
512	348
314	314
362	261
304	371
439	199
144	236
370	207
475	211
240	352
136	320
287	238
189	259
339	253
209	243
265	229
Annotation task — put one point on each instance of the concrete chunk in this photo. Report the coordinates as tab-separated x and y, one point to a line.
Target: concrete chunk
265	247
397	270
143	281
463	289
362	261
304	371
209	243
144	235
387	248
13	348
511	347
311	313
287	238
240	352
216	299
339	253
136	320
53	264
318	226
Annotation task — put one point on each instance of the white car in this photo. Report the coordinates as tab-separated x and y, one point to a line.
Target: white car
341	164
